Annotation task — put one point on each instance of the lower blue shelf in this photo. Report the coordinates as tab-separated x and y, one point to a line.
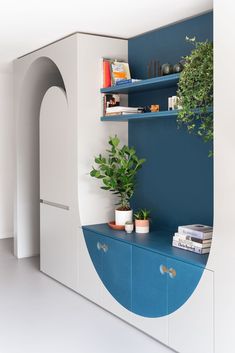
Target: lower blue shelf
141	116
146	116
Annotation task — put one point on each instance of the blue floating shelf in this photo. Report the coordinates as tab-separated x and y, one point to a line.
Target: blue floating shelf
144	85
142	116
146	116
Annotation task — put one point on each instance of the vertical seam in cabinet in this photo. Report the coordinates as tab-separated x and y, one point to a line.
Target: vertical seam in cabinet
167	302
213	311
131	277
102	265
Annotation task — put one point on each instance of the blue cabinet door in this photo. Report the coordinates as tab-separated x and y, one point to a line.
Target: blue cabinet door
183	279
92	242
117	270
112	261
149	283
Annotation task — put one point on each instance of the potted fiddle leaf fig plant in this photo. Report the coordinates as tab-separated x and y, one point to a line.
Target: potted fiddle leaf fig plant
142	221
117	171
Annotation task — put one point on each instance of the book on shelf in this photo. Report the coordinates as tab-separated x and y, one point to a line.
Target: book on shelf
192	248
119	71
196	230
116	73
190	242
130	112
122	109
107	82
190	238
121	113
110	100
126	81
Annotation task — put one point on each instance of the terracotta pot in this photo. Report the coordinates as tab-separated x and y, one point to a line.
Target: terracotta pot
142	226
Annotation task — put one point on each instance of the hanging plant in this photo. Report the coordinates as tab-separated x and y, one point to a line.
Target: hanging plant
195	90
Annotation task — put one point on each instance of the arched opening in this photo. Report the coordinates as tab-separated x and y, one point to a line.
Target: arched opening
41	75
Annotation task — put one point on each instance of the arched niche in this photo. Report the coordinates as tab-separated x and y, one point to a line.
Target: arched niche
42	74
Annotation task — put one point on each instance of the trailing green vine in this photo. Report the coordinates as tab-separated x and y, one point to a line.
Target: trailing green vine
195	90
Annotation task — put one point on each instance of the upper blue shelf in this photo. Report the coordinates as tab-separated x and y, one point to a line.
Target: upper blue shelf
144	85
156	241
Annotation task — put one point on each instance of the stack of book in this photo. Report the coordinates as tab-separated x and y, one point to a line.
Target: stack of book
120	110
196	238
127	81
115	71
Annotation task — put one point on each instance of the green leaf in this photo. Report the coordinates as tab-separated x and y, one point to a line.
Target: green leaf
93	173
118	170
114	141
195	90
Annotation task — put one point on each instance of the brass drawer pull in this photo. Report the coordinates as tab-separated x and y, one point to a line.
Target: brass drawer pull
171	271
163	269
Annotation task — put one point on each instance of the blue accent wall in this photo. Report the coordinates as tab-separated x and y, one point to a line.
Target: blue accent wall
176	182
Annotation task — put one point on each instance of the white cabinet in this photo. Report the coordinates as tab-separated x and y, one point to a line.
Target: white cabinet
58	245
191	327
58	234
55	148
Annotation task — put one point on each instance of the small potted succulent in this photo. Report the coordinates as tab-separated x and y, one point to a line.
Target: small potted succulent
117	171
142	221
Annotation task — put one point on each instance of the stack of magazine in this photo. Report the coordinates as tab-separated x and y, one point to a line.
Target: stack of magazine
196	238
120	110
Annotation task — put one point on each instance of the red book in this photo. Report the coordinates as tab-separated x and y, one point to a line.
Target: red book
106	74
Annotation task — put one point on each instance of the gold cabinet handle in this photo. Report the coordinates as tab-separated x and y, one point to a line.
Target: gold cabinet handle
172	272
163	269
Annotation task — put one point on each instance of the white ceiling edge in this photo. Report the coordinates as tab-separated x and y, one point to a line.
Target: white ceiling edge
28	25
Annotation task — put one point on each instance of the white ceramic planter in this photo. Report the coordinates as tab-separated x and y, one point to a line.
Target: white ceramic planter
129	227
121	217
142	226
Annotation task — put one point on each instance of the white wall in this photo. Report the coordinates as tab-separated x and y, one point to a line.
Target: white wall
7	154
223	250
93	134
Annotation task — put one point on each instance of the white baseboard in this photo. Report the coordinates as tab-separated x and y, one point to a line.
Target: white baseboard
6	235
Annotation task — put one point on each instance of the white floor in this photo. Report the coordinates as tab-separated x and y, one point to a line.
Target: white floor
39	315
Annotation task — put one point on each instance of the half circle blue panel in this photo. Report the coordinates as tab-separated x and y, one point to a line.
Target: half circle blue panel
147	282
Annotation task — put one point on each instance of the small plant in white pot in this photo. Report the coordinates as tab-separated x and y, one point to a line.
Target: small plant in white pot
118	171
142	221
